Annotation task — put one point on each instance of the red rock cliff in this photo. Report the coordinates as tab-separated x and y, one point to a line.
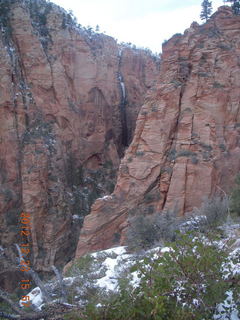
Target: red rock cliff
186	143
68	106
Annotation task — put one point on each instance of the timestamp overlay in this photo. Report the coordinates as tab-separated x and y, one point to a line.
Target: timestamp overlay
25	283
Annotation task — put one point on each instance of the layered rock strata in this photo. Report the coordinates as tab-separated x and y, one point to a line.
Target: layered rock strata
186	144
69	100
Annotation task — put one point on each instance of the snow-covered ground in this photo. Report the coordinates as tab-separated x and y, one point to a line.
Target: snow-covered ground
108	266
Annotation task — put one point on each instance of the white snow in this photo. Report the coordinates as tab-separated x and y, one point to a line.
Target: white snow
113	262
68	281
76	217
117	250
228	309
123	90
120	78
105	197
35	296
166	249
110	280
120	52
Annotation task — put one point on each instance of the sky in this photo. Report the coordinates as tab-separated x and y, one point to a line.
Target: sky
145	23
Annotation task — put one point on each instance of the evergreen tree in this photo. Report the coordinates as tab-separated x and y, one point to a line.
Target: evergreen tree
235	5
206	10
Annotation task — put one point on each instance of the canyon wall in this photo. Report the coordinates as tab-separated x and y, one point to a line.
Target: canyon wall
69	100
186	145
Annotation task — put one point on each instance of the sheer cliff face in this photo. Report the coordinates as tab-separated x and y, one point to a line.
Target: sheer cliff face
186	144
68	106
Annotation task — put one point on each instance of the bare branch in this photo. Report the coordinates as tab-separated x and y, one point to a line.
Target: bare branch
35	277
61	284
19	253
226	197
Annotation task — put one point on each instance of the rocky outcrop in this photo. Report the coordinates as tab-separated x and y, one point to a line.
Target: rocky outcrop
68	98
186	144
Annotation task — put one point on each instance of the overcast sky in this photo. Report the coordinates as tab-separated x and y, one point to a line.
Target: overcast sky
145	23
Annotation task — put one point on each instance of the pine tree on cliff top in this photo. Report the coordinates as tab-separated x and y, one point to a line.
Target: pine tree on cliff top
235	5
206	10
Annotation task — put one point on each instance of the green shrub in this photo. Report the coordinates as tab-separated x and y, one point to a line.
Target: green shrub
222	146
176	83
73	315
205	146
194	160
151	196
206	155
217	85
186	153
224	46
81	266
5	9
139	153
108	164
154	109
184	283
172	154
204	74
191	273
167	170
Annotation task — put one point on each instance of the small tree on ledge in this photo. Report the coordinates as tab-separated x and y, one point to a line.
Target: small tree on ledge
206	10
235	5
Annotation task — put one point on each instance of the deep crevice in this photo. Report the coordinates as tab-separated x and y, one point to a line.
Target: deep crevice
123	104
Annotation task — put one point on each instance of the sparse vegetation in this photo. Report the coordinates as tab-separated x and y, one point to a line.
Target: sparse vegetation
215	209
145	231
223	147
39	11
218	85
186	153
204	74
172	154
167	170
139	153
206	155
235	198
5	24
194	160
154	109
205	146
176	83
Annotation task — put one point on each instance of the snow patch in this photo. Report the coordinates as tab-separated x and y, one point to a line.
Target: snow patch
105	197
35	296
228	309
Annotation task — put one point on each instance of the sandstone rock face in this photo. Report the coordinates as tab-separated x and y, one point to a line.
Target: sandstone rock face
69	100
186	144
